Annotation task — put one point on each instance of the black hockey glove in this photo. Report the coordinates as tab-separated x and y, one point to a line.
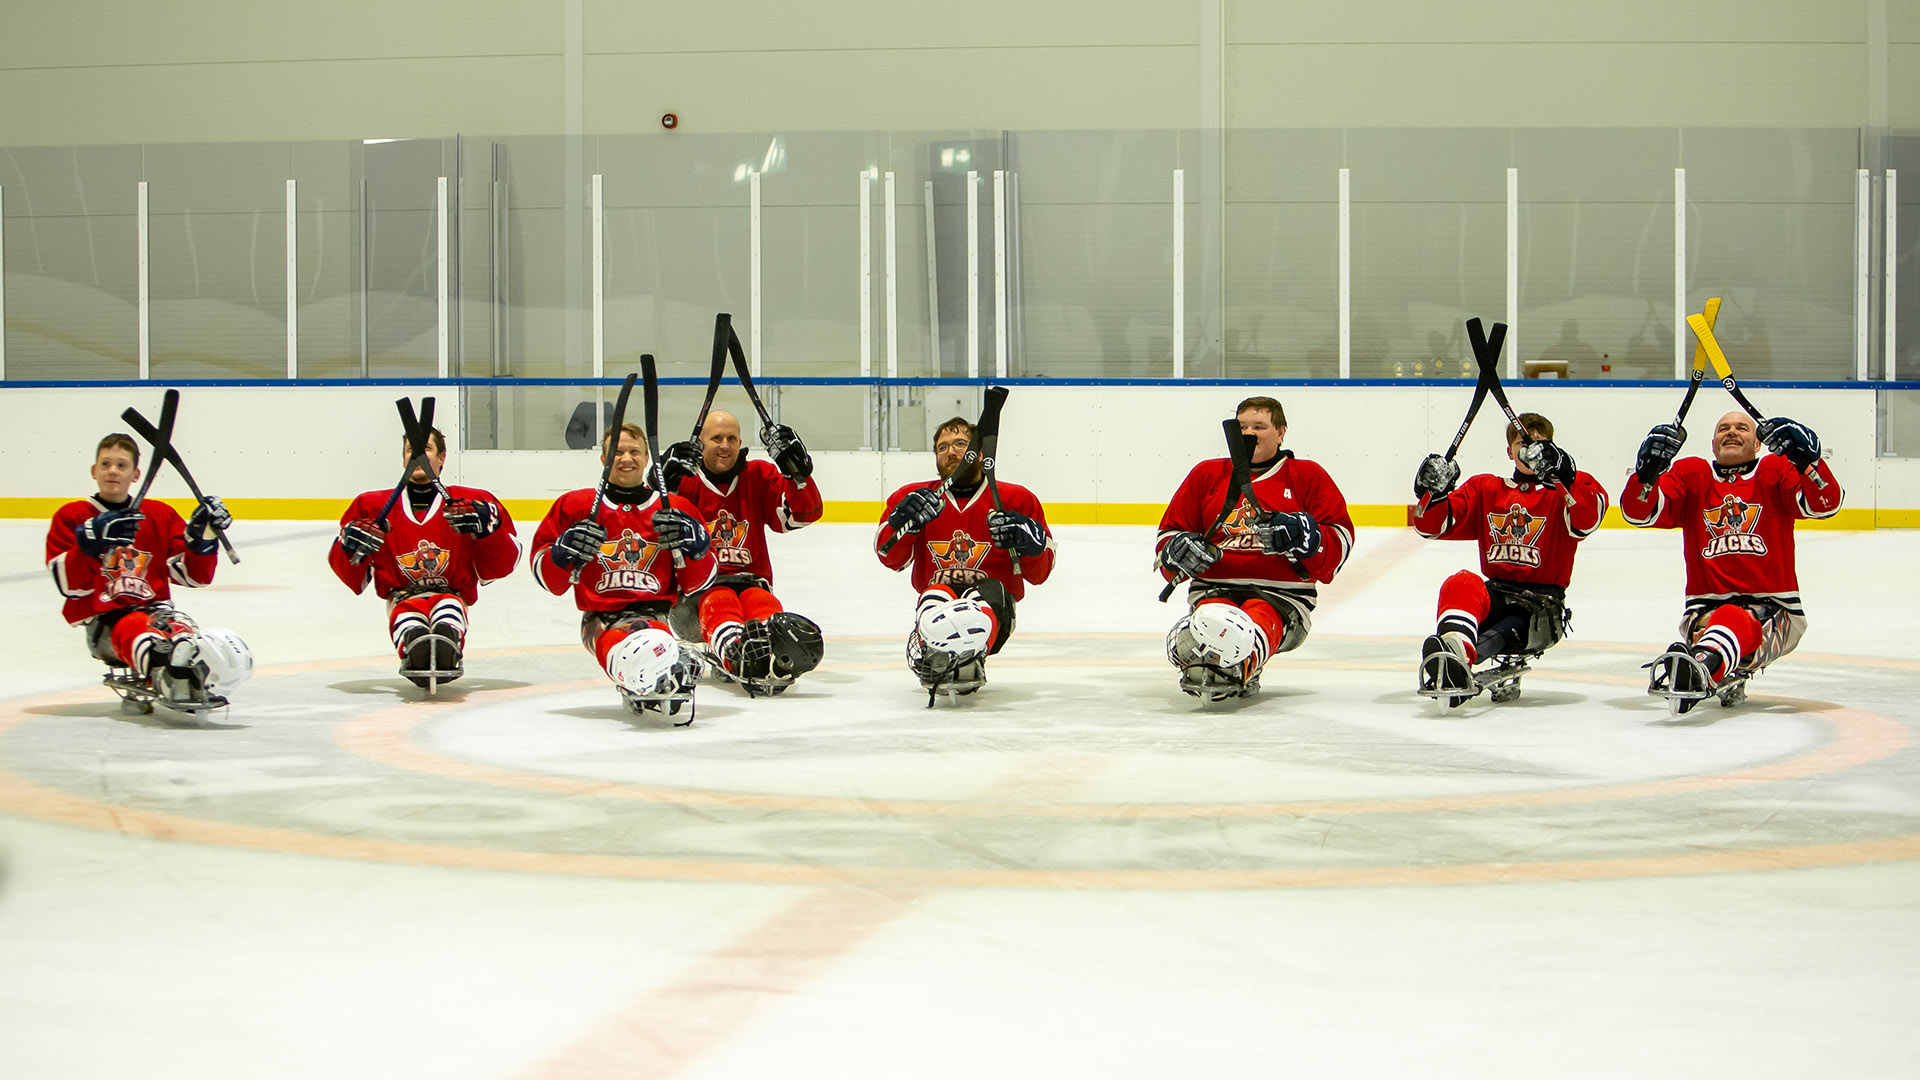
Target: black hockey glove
1018	532
677	530
209	517
361	538
1548	461
678	462
920	506
1436	477
112	529
788	452
1657	452
1292	533
578	545
475	517
1188	554
1792	440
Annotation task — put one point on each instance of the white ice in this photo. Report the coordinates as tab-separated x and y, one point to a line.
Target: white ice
1077	872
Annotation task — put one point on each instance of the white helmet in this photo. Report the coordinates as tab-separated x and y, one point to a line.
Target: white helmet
228	659
644	663
1218	634
962	627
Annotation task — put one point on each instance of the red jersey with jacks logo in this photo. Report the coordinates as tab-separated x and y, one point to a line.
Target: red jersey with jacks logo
738	513
128	576
1288	484
1736	524
630	568
956	548
423	551
1527	531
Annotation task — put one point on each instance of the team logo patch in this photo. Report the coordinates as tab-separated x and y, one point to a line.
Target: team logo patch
1731	525
1238	532
1515	536
125	569
957	561
425	564
729	535
625	563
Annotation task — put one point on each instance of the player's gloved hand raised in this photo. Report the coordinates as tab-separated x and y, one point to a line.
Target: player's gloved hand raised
362	537
1188	554
208	517
1791	439
578	544
677	530
1017	531
920	506
1436	477
1547	461
678	462
1292	533
1657	451
788	452
475	517
112	529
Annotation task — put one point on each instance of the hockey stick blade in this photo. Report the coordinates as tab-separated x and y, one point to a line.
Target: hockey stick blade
164	450
739	354
722	332
161	436
990	446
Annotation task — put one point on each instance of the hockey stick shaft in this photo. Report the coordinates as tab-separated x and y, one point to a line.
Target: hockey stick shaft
739	355
1704	331
989	447
418	435
159	437
1694	379
1230	428
650	399
1473	409
989	419
163	450
609	451
722	332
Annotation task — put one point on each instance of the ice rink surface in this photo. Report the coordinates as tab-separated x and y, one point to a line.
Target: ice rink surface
1079	872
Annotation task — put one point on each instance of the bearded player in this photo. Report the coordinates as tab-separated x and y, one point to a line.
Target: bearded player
116	564
961	552
757	642
1735	515
427	559
1527	526
626	568
1255	577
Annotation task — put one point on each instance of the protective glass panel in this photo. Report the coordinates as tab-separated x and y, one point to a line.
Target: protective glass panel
72	276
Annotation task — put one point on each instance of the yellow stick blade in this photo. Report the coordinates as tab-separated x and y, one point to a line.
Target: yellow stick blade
1705	333
1699	351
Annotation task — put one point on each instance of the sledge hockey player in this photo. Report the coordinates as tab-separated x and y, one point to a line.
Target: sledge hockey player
1254	572
959	547
115	563
1527	526
1735	515
755	640
628	579
427	559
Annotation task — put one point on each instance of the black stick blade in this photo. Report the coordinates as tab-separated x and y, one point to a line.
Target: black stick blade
989	425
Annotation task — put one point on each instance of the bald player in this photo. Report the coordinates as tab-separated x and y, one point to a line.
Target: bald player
757	642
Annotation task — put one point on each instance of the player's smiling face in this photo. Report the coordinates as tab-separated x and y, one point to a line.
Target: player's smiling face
114	473
719	441
419	475
1266	437
629	462
1734	440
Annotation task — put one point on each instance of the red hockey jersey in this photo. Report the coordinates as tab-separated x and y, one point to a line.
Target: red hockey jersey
1289	484
138	573
631	568
423	551
1527	531
1736	525
956	548
739	513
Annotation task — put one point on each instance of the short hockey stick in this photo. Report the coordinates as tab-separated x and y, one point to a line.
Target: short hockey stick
609	449
418	433
166	450
159	437
989	444
1240	481
722	331
739	355
1703	330
650	398
989	417
1693	382
1480	389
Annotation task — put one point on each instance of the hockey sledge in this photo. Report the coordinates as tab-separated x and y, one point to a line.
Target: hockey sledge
432	659
1680	678
138	696
664	705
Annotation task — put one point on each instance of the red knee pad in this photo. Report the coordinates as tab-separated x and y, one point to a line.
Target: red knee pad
1737	621
1465	592
718	608
759	603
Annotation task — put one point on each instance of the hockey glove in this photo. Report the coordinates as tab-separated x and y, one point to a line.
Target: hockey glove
677	530
1017	531
678	462
361	538
115	528
1292	533
475	517
1548	461
1792	440
1436	477
920	506
788	452
1188	554
1657	452
578	545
